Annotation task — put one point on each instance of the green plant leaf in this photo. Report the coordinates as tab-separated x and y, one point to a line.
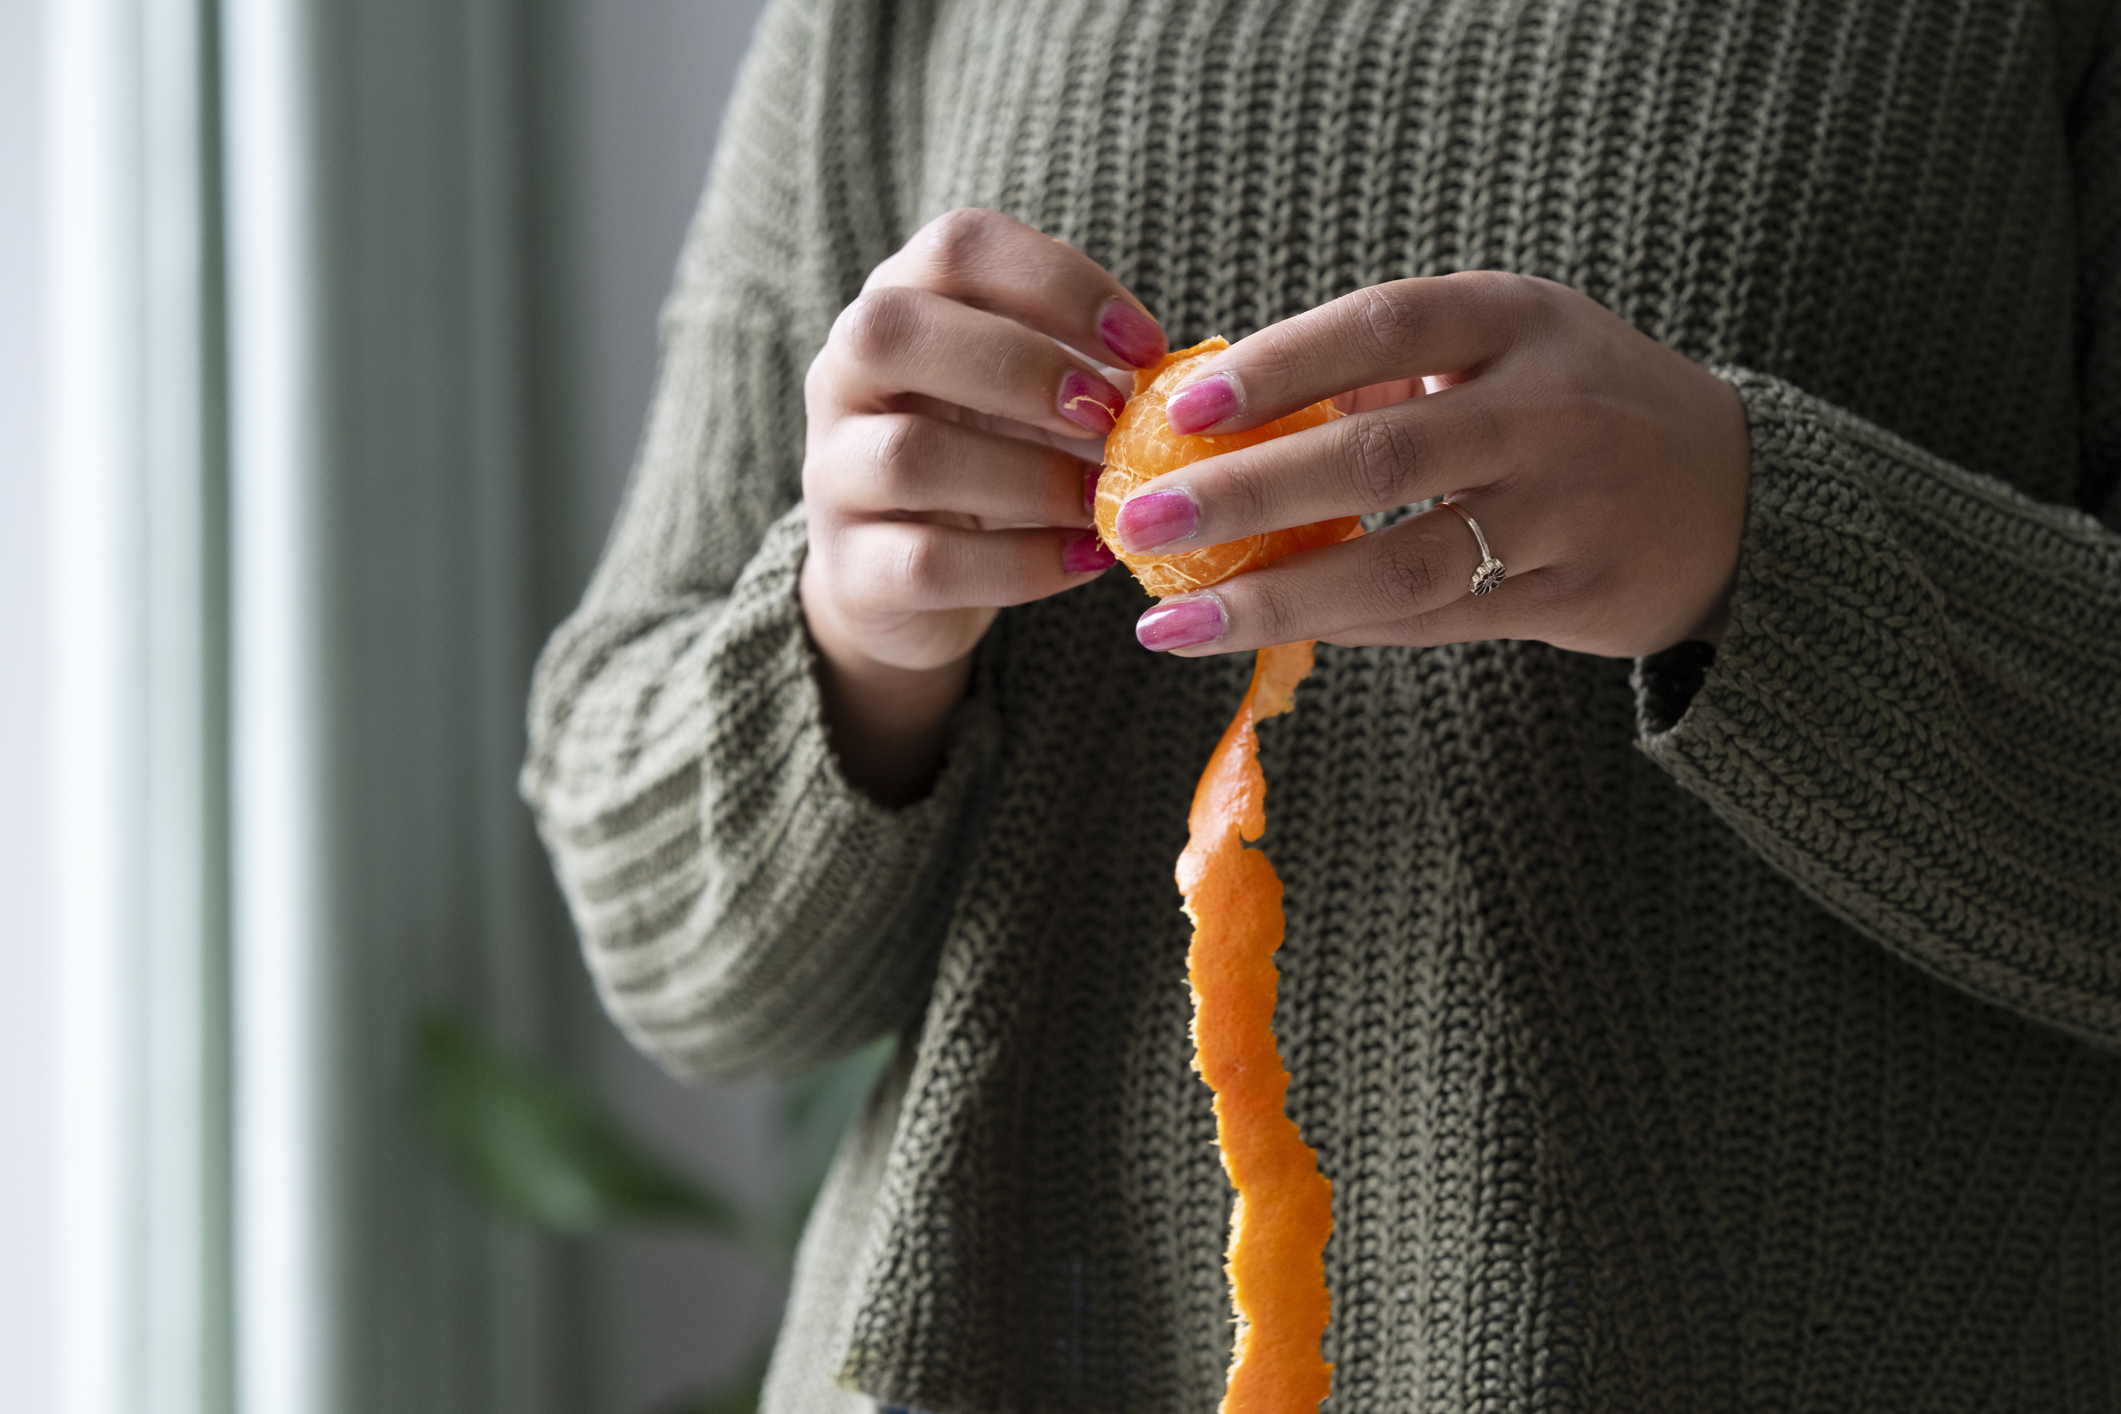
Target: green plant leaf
535	1149
815	1110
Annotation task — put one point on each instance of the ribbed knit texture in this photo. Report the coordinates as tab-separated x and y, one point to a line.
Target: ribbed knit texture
1683	1035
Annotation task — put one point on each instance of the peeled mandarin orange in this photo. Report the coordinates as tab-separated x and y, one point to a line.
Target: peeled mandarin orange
1142	446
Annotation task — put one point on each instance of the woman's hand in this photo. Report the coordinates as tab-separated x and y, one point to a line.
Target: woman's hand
952	443
1608	472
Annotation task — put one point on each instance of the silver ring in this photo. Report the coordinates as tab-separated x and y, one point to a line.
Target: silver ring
1490	571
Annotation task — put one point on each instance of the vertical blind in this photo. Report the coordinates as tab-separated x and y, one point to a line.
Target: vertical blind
314	506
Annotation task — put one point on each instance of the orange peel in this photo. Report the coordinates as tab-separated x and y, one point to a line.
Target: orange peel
1284	1208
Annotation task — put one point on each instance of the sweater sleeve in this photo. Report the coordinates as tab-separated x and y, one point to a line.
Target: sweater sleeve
741	906
1916	710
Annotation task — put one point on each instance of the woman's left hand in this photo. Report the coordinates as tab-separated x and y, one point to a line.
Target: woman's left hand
1608	472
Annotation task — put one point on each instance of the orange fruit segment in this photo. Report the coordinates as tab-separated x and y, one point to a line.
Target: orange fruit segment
1141	446
1284	1209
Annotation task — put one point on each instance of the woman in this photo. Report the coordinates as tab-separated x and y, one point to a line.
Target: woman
1704	953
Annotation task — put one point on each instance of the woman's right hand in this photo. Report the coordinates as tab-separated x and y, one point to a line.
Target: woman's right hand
951	448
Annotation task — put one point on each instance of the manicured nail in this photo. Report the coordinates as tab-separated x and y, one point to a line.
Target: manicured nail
1152	521
1131	335
1085	553
1089	401
1181	623
1203	403
1090	489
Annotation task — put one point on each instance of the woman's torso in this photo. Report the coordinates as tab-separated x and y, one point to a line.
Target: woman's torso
1616	1114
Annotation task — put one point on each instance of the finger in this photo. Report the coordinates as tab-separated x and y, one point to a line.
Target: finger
917	566
1377	395
901	462
896	340
997	263
1440	325
1520	607
1076	442
1373	461
1404	572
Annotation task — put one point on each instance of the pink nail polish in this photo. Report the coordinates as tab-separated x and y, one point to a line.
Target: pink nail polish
1149	522
1131	335
1085	553
1090	479
1180	623
1089	401
1203	403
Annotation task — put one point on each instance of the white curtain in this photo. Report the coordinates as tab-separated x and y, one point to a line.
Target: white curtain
313	508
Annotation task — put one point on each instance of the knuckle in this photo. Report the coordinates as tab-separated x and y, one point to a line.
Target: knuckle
1274	610
955	243
1492	288
1275	362
1381	456
1405	581
1543	296
1247	497
920	565
877	324
1387	321
1490	284
1501	295
894	455
815	380
1534	306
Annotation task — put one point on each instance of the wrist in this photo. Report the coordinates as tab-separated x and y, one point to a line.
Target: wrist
1731	456
887	723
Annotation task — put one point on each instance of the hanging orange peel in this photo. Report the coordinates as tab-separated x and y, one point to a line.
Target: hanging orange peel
1284	1209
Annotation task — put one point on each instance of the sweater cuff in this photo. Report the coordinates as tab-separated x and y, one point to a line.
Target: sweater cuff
1822	601
819	908
764	702
1819	591
1905	713
1665	684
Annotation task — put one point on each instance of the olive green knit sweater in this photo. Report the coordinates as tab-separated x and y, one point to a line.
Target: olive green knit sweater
1675	1039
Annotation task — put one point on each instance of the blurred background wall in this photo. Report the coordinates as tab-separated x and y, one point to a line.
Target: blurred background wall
26	1329
632	92
652	78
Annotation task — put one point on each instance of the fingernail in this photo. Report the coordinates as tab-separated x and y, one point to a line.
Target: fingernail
1149	522
1090	489
1131	335
1085	553
1089	401
1180	623
1203	403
